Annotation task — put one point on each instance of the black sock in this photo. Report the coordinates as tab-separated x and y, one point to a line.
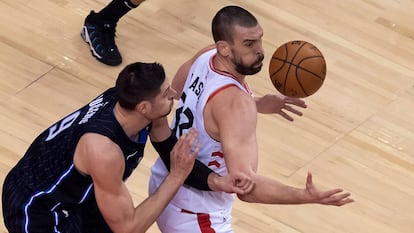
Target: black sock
114	11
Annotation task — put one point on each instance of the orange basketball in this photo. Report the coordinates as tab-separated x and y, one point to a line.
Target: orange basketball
297	69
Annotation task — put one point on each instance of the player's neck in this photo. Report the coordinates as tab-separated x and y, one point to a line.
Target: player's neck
223	65
130	121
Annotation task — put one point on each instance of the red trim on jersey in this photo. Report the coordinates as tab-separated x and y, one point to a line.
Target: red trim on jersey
220	89
219	71
245	85
186	211
214	163
203	221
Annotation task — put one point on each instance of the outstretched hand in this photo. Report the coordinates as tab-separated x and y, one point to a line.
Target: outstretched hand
269	104
331	197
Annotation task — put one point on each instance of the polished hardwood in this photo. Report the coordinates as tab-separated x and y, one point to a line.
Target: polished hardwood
357	133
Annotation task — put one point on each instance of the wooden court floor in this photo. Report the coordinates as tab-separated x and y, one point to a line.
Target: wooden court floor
357	133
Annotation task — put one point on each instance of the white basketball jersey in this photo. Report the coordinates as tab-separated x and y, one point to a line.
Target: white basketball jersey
202	83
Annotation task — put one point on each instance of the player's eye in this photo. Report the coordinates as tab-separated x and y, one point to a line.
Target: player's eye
249	44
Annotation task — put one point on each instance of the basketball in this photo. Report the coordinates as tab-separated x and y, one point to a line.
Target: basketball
297	69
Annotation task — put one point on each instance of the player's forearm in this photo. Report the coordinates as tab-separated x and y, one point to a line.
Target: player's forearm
199	176
213	182
269	191
148	211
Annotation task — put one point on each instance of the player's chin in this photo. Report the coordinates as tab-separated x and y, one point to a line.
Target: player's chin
169	111
166	113
259	66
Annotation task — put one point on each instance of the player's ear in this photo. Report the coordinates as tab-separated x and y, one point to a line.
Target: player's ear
143	107
223	48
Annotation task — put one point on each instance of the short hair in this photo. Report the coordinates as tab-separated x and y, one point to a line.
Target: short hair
225	19
137	82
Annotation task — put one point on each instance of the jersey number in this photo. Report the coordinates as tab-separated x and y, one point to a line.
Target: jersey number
188	114
187	125
62	125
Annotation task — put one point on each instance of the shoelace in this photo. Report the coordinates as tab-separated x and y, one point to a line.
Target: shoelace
109	35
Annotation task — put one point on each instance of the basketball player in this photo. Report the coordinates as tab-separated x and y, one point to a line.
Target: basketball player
216	100
99	30
71	177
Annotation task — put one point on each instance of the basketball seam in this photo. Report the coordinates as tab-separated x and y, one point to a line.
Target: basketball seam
296	65
301	68
306	71
276	58
281	67
290	65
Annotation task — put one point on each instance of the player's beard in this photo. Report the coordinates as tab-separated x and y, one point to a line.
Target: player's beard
243	69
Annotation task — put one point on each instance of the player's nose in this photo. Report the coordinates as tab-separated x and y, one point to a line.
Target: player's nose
173	92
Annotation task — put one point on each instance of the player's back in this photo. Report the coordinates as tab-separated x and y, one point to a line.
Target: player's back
46	182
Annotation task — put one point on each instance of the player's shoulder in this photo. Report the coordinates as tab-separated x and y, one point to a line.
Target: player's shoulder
203	53
207	50
232	98
95	152
97	143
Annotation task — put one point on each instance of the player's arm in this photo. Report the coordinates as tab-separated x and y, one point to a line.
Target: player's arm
236	118
182	72
201	176
99	157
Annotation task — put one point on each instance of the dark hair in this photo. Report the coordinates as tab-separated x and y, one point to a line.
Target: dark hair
137	82
224	21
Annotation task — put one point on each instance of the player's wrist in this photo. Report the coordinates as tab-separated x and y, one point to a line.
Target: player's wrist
176	177
213	181
305	197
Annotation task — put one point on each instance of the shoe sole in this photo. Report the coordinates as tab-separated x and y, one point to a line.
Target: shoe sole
85	36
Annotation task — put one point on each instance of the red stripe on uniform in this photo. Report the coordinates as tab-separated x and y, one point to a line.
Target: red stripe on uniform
204	223
220	89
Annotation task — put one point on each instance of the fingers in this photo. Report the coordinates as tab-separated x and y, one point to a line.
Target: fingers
331	197
330	193
293	101
240	191
309	182
182	155
243	184
335	197
296	101
196	150
338	200
233	183
286	116
293	110
345	201
186	142
193	143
